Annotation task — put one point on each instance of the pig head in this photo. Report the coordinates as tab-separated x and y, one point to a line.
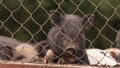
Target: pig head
66	37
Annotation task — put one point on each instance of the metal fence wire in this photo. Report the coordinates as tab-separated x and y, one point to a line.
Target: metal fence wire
60	31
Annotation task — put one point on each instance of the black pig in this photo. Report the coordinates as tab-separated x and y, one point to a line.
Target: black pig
21	53
11	49
66	38
5	42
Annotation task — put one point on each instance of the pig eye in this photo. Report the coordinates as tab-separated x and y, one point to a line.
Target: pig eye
71	50
62	31
20	57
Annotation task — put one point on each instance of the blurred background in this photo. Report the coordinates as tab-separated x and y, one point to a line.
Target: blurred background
28	20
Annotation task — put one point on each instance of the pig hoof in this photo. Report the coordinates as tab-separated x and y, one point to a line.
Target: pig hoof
61	61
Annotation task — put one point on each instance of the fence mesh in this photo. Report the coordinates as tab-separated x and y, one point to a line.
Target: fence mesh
28	21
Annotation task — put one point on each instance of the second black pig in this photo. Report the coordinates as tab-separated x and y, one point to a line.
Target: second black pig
22	53
118	39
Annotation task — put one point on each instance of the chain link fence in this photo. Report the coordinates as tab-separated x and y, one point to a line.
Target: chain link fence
24	22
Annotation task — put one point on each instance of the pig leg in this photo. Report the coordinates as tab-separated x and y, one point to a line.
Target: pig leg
49	57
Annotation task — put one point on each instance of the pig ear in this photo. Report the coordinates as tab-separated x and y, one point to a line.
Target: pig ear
8	51
87	21
114	55
55	17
